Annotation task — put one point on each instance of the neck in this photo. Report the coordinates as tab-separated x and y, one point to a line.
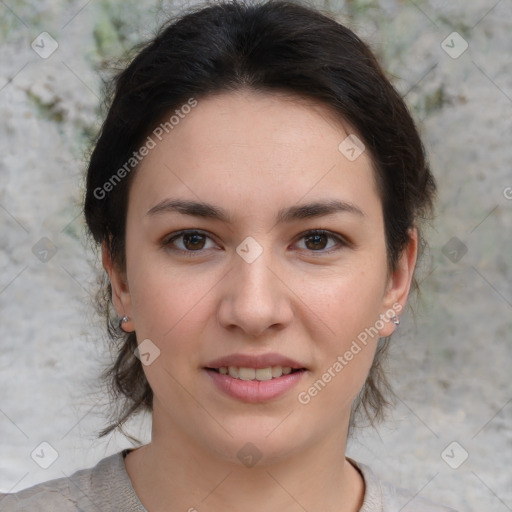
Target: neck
174	473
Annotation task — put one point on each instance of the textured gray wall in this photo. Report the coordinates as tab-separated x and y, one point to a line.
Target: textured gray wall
451	368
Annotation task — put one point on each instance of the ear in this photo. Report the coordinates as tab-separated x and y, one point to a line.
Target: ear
121	297
399	283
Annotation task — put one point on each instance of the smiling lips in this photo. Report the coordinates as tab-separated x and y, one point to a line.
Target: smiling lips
244	373
254	378
251	367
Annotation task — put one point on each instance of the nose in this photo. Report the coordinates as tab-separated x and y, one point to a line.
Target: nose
254	299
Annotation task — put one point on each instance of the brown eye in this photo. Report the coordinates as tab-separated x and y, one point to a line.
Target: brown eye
316	242
188	242
319	241
193	241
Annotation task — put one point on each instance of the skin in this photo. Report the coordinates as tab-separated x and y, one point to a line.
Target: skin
253	154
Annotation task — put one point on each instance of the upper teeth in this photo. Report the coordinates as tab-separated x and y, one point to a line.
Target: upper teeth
271	372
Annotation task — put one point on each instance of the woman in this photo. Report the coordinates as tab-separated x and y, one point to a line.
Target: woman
256	191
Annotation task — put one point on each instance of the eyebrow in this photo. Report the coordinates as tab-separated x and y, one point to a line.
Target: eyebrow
210	211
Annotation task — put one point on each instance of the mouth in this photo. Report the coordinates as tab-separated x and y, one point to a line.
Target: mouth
255	374
255	378
253	385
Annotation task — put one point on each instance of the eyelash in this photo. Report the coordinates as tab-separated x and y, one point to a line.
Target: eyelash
167	241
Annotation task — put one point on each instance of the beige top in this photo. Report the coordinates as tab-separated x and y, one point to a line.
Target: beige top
107	487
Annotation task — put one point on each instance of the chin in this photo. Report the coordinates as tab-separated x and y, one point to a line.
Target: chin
254	442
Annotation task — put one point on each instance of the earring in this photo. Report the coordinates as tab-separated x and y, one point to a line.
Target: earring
395	320
122	321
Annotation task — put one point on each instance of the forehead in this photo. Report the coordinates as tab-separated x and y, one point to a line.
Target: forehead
256	150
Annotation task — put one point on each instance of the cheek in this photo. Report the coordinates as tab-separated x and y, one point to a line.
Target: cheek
348	302
170	305
166	303
171	311
349	308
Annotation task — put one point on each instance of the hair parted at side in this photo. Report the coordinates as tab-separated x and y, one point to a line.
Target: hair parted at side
264	46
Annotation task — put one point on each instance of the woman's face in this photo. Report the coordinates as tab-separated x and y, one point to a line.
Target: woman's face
249	177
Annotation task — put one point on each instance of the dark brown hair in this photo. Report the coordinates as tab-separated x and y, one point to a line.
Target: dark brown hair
270	46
